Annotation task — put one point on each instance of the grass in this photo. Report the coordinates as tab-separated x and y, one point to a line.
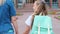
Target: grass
19	14
51	13
59	17
54	13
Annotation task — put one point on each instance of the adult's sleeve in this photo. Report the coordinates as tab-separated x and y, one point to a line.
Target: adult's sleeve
12	8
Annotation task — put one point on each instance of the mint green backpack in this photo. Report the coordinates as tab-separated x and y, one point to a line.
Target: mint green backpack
42	25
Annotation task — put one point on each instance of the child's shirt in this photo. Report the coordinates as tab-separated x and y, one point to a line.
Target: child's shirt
29	21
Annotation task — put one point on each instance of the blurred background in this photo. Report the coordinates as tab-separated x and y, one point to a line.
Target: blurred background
24	8
52	3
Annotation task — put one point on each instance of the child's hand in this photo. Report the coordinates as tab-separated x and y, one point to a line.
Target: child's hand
16	32
25	33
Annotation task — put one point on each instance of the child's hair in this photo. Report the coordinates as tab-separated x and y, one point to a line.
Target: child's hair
41	7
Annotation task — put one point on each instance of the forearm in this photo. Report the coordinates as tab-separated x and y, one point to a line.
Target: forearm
27	30
15	25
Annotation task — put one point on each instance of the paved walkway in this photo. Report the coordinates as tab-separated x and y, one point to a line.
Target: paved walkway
22	25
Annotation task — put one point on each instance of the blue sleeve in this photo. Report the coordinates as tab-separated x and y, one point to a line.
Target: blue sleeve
12	8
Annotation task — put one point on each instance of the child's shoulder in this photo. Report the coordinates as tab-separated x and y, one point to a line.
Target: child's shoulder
30	16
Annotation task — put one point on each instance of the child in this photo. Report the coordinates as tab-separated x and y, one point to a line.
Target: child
39	6
7	17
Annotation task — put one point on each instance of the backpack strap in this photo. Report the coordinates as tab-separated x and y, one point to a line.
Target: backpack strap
32	21
41	14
